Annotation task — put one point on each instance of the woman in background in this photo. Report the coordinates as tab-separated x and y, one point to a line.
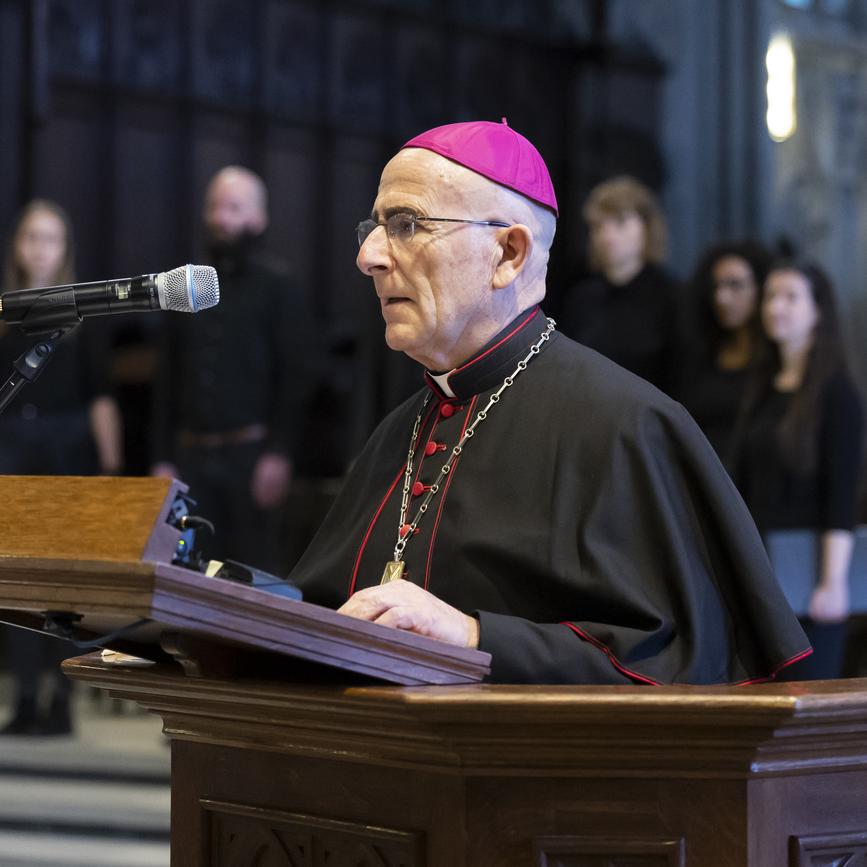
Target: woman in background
726	336
65	423
798	450
628	310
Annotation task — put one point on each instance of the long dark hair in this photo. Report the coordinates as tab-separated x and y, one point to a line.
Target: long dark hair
710	335
797	431
13	275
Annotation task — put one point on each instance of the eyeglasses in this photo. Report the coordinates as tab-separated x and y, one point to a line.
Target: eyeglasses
401	226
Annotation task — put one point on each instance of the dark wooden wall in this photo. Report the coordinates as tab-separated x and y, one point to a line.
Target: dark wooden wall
122	109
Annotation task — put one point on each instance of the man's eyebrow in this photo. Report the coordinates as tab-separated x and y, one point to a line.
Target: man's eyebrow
397	209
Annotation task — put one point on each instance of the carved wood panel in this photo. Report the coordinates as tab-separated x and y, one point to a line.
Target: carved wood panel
242	836
563	851
829	850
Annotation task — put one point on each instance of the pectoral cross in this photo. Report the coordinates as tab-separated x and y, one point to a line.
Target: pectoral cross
393	571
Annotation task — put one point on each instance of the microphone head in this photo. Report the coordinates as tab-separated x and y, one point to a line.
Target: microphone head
188	289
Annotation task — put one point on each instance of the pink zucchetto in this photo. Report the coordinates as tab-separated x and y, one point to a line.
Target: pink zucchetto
496	151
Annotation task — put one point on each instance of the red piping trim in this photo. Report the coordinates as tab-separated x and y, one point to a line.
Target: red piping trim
640	678
803	655
436	525
385	499
490	349
373	521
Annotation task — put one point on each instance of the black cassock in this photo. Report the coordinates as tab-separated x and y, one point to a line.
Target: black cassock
587	523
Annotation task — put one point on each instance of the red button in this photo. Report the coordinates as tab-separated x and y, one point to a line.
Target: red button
404	530
431	448
417	489
447	410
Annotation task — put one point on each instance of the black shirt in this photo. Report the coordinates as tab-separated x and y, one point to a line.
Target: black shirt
713	396
246	361
635	325
784	497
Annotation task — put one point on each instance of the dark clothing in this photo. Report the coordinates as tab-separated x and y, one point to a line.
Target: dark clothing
240	363
75	376
782	497
587	523
219	482
233	385
635	325
51	444
713	396
829	652
34	653
46	431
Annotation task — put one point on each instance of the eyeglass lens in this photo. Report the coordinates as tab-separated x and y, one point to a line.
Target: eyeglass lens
399	226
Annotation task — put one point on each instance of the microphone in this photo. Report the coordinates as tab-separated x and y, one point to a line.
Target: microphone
187	289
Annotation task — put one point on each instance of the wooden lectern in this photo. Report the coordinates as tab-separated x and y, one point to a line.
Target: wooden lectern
92	556
280	765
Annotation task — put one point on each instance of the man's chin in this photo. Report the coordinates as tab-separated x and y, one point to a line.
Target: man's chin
401	337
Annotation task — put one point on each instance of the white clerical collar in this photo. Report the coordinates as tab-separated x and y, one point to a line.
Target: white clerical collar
442	380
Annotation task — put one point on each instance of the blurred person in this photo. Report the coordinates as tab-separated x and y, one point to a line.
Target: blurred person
726	337
65	423
798	453
627	310
233	381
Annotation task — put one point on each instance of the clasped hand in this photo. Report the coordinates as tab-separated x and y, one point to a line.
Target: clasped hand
404	605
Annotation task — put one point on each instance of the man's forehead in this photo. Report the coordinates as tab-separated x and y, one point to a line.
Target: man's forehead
424	178
231	184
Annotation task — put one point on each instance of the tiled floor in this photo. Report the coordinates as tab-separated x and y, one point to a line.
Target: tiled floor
98	798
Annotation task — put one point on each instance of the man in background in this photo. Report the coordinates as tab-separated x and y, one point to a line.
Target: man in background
233	381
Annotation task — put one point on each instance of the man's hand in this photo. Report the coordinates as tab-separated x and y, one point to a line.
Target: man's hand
271	478
404	605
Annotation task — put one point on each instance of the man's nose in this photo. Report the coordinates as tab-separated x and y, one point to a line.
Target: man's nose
374	256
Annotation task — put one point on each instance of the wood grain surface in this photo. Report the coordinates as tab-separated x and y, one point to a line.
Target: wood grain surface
87	518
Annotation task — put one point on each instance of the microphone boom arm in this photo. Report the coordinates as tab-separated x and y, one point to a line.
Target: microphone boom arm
30	364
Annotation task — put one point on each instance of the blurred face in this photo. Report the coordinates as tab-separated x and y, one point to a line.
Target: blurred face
735	293
789	311
617	240
434	290
233	208
40	247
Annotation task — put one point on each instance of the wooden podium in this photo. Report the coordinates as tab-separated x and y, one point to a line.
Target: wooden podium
270	773
92	558
279	760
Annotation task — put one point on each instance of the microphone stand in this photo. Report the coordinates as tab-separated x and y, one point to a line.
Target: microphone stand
30	364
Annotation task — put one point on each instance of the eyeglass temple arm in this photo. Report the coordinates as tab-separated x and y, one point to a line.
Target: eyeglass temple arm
457	220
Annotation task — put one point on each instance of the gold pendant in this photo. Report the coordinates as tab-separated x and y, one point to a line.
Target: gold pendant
393	571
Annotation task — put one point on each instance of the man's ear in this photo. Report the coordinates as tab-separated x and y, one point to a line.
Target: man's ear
516	244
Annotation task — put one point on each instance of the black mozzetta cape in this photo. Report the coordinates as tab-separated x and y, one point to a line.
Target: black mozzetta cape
588	524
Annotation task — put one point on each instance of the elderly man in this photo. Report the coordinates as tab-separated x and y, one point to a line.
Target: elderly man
233	380
534	499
